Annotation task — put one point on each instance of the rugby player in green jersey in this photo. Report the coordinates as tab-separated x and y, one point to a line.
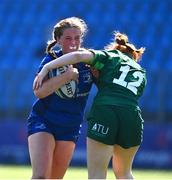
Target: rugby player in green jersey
115	124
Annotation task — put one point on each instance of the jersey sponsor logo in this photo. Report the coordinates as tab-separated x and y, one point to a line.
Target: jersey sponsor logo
40	126
82	94
101	129
87	77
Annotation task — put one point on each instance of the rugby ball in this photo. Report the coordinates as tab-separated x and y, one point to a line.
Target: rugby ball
69	89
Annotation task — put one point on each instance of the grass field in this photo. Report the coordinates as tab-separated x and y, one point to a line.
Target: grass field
24	172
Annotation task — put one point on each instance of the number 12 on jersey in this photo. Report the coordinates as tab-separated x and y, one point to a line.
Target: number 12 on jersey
132	86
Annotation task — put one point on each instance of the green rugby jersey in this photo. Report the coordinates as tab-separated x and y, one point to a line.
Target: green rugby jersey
121	81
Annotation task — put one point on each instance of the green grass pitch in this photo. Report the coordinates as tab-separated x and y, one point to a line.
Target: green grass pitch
24	172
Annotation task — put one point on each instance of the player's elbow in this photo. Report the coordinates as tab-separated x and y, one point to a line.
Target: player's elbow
39	94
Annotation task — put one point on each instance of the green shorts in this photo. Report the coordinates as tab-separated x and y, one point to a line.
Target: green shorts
111	125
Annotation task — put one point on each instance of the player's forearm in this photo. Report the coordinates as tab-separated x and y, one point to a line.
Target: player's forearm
70	58
66	59
51	85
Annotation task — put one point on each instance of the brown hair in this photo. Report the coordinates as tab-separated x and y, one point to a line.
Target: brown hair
72	22
122	44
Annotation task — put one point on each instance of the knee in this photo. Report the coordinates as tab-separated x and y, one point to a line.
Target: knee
41	172
122	174
40	176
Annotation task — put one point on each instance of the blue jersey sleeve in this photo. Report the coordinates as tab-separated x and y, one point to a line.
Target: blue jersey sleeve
45	60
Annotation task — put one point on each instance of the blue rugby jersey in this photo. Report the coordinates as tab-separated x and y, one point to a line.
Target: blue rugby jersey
70	111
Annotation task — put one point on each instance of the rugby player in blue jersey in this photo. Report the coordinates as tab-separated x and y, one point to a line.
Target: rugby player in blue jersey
54	123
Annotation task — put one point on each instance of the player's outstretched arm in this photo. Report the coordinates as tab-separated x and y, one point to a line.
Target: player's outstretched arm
70	58
85	56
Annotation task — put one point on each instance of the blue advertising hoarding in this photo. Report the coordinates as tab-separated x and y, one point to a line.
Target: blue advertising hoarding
155	151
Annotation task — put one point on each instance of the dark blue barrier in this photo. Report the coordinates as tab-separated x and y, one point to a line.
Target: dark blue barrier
155	151
13	142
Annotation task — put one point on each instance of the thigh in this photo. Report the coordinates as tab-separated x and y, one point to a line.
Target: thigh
98	157
123	159
41	148
62	156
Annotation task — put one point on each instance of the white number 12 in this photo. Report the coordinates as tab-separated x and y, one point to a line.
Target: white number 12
132	86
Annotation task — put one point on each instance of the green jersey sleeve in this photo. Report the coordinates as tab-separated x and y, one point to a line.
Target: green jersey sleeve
101	57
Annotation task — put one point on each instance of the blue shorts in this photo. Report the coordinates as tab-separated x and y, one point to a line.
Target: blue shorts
36	124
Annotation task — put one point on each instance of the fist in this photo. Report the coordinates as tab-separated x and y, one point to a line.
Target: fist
72	73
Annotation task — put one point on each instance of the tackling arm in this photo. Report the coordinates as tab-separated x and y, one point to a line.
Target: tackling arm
71	58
